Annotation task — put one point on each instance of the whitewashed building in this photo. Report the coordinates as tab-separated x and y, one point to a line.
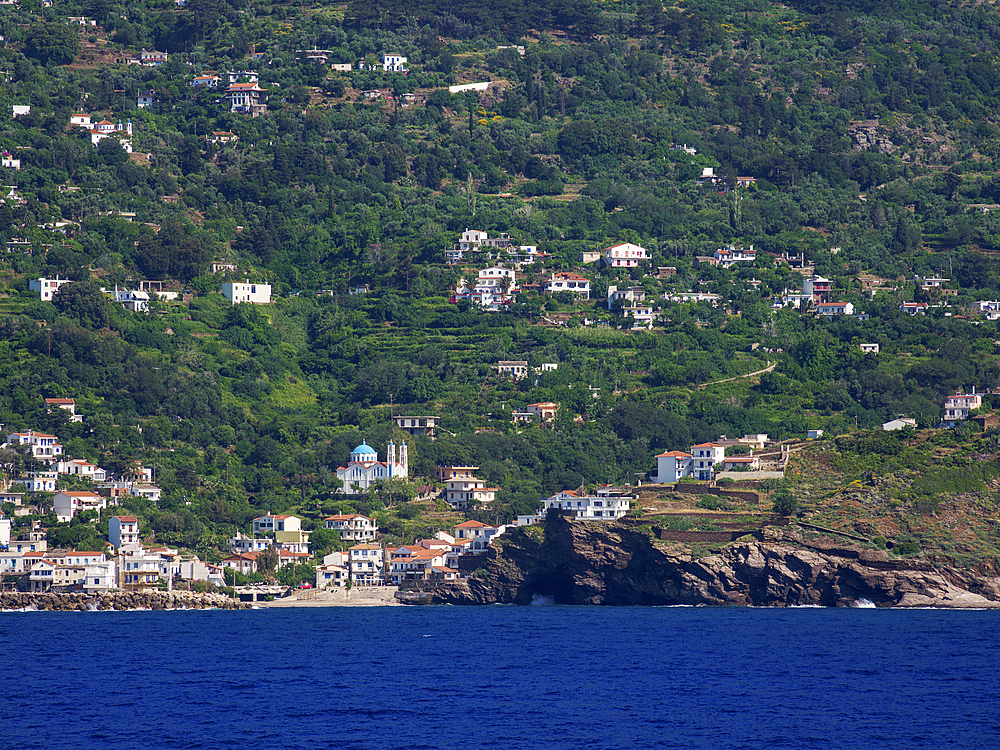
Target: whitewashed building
257	294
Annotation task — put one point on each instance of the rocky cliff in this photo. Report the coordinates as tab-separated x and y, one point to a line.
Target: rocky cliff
575	562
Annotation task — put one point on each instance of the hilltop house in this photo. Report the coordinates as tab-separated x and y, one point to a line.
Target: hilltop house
625	255
463	487
364	469
515	368
67	405
727	257
699	463
417	425
957	407
817	289
257	294
246	98
569	282
46	288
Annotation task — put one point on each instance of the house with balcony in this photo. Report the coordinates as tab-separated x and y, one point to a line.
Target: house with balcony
671	466
704	458
153	58
642	316
38	445
462	487
417	425
273	523
817	289
241	544
123	530
601	507
246	98
727	257
243	562
79	468
353	527
366	563
68	503
625	255
957	407
569	282
913	308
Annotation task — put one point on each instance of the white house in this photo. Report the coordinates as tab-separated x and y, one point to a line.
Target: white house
479	534
353	527
671	466
68	503
417	425
869	348
40	445
105	129
515	368
834	308
629	294
123	530
642	316
569	282
704	457
241	544
582	507
5	526
207	82
334	571
274	523
7	160
149	491
145	99
140	570
131	300
257	294
366	563
817	289
67	405
625	255
914	308
957	407
39	481
544	411
80	120
900	423
392	62
727	257
246	98
151	58
364	469
79	468
463	488
47	287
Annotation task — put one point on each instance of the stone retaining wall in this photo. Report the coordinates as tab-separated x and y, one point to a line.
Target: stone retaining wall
119	600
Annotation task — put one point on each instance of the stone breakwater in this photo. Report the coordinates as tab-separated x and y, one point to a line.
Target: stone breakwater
577	562
118	600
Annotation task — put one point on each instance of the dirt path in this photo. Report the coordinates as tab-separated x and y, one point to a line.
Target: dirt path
770	368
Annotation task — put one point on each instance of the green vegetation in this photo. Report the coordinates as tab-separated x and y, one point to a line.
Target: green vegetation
870	134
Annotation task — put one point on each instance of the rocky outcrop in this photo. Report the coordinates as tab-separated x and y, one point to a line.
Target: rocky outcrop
591	563
119	600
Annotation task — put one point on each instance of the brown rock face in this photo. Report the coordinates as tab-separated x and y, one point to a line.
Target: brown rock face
593	563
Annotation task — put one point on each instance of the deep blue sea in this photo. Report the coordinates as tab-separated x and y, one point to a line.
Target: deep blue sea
501	677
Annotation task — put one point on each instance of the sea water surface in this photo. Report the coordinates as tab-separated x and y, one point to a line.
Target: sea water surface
501	677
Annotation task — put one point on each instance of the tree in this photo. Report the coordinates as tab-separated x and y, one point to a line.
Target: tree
784	502
52	42
267	560
85	302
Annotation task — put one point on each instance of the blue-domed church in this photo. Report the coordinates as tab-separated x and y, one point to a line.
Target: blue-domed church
364	468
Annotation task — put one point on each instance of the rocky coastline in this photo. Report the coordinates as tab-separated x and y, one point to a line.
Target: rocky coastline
117	600
591	563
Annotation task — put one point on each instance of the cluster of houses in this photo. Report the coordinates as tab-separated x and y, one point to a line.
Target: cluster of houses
45	449
137	300
124	564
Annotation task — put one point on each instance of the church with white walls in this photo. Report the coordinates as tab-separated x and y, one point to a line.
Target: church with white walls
364	468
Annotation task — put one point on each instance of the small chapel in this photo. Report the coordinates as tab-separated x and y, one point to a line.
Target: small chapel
364	468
